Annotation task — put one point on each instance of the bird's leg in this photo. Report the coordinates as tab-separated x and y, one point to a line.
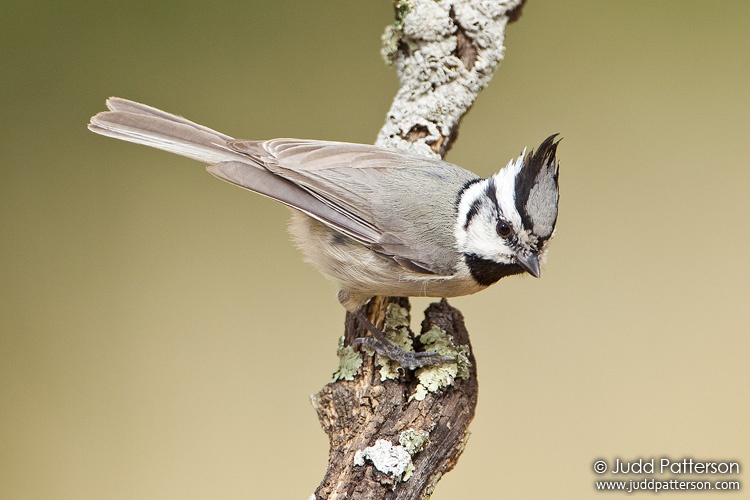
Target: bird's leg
384	347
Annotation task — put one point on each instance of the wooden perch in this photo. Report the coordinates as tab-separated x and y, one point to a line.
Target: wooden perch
394	433
423	438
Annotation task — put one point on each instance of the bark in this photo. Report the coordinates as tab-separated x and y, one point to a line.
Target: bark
393	433
356	414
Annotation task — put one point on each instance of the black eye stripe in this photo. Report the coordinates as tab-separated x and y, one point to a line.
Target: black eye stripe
466	186
491	192
473	212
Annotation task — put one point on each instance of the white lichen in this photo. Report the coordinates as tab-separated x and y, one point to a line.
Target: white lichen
387	458
428	20
436	86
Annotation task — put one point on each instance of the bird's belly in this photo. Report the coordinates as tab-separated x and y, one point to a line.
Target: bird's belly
364	272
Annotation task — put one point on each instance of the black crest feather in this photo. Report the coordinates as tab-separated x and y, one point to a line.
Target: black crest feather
529	176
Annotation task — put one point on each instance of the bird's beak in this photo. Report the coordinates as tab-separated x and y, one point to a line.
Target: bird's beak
530	263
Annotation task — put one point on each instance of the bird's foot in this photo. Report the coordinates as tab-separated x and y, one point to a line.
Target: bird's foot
384	347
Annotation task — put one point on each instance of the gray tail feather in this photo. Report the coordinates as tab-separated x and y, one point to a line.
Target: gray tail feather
134	122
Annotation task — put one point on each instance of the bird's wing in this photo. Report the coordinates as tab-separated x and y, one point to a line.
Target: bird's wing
376	190
266	183
373	195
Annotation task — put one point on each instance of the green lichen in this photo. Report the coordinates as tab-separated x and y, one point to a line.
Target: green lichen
394	33
396	329
402	8
349	362
434	378
390	40
408	471
413	441
436	339
396	316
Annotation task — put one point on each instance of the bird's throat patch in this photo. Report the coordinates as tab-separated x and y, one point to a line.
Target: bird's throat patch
486	272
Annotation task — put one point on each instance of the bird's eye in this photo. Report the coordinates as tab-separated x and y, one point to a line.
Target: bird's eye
503	229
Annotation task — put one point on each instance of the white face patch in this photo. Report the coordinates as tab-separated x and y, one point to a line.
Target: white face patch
476	226
467	199
505	183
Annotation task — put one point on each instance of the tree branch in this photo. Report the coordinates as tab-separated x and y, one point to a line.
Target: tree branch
393	433
445	52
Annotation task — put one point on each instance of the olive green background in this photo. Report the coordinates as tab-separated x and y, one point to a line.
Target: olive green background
160	337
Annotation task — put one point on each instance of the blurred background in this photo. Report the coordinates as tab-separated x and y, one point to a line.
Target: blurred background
160	337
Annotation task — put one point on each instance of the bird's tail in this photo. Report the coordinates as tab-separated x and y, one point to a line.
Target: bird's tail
135	122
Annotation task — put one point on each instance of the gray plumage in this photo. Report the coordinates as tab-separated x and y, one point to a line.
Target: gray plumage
378	221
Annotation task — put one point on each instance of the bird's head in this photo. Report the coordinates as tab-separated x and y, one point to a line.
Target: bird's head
505	221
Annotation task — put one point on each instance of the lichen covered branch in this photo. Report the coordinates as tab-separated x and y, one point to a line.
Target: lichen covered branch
393	433
445	52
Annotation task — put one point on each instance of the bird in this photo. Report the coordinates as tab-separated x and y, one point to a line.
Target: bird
378	221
